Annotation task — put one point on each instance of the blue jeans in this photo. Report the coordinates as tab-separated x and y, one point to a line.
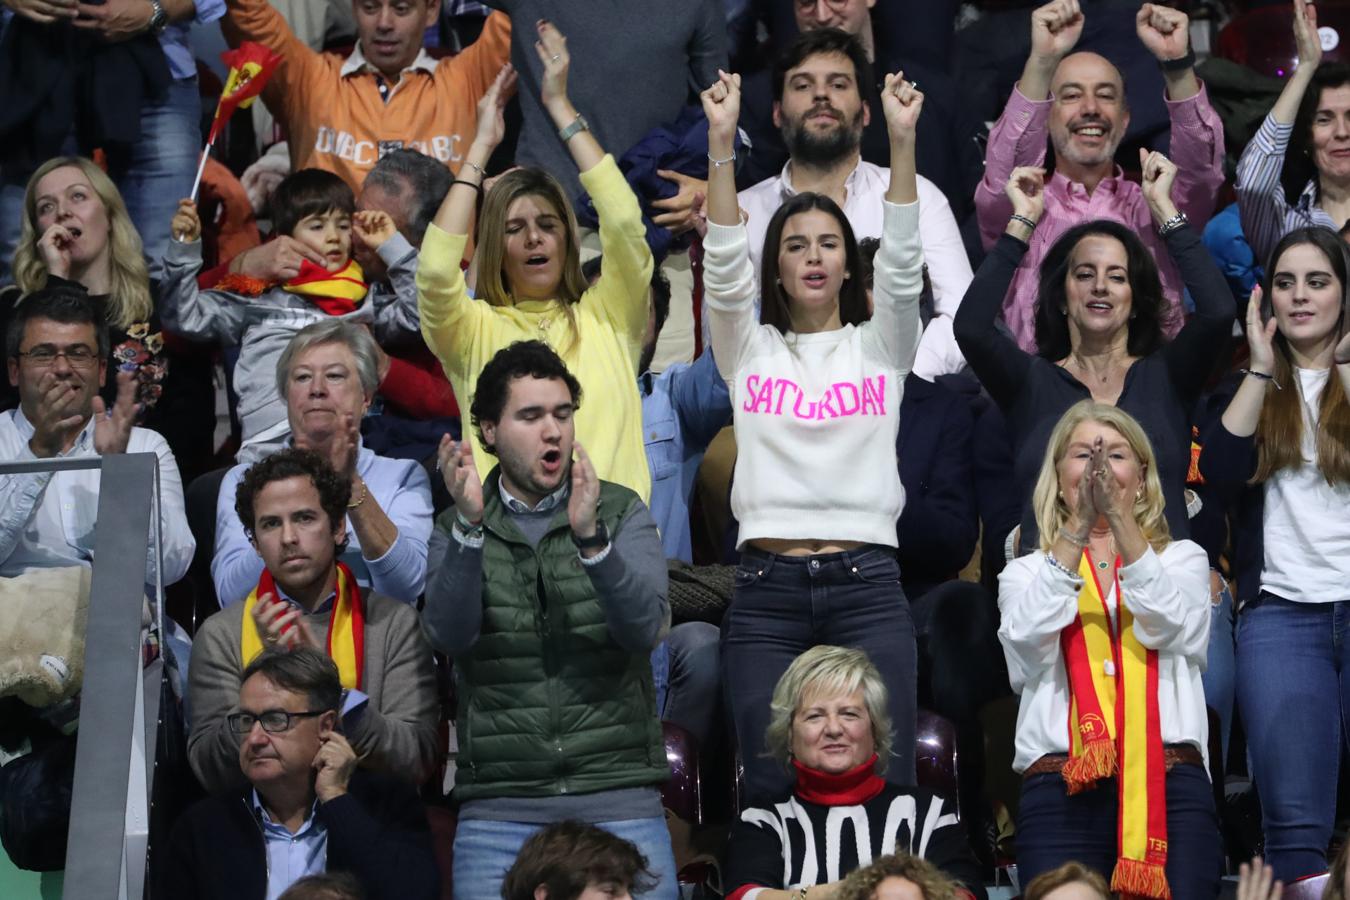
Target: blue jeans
688	677
485	850
1219	674
153	175
1054	828
1293	680
784	606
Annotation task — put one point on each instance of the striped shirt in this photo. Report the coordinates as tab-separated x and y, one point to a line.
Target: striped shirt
1266	213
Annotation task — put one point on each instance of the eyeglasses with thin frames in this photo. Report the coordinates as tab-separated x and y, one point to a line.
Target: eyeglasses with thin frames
44	356
273	721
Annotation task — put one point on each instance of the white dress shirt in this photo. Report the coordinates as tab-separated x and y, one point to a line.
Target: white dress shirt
943	250
1168	594
48	519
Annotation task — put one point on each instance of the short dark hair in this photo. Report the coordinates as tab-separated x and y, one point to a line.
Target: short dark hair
334	490
68	304
1149	312
523	359
774	307
567	856
1298	167
416	176
820	42
660	286
303	670
309	192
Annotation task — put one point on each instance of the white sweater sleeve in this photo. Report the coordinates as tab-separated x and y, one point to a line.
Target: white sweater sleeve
1168	594
1036	601
897	281
729	290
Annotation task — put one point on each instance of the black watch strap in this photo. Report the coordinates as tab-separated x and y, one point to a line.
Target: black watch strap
1180	64
596	541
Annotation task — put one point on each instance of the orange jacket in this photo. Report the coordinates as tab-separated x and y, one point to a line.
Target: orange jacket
332	110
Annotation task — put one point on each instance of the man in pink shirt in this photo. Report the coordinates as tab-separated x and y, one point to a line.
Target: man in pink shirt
1079	99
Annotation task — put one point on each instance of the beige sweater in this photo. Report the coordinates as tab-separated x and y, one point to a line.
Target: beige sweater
395	732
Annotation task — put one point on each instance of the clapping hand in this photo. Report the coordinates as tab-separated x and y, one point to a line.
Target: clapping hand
552	50
112	430
584	504
1306	39
282	626
491	107
1257	881
456	465
1261	337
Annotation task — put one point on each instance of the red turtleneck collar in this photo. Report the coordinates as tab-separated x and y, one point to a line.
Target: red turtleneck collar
857	785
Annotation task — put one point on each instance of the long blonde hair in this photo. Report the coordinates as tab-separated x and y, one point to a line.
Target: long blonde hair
1051	509
129	299
518	183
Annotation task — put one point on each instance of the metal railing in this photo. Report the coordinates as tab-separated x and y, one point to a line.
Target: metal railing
119	703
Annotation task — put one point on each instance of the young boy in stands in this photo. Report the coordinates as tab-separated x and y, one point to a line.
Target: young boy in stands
574	861
317	209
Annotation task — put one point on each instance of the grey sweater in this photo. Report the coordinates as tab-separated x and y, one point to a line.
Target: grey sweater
634	64
394	732
265	324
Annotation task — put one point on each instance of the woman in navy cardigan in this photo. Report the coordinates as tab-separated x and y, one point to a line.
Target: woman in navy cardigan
1281	452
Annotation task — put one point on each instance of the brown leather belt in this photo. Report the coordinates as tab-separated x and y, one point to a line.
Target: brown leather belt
1173	755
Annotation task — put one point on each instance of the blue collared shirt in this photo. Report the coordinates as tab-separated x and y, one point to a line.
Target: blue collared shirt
403	491
174	40
683	408
291	857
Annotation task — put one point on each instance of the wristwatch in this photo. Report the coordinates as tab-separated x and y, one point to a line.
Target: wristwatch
597	541
576	126
159	19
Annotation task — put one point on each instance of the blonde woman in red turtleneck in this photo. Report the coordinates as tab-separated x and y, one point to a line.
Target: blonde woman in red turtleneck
830	728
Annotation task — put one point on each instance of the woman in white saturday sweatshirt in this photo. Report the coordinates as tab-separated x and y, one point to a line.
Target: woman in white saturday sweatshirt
816	389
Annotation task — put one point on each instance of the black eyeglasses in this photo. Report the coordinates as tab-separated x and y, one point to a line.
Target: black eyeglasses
273	721
45	355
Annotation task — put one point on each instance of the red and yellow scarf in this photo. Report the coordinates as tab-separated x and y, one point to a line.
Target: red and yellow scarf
336	293
346	627
1115	729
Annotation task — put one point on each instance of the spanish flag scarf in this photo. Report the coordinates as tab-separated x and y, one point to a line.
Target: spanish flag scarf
1115	729
336	293
346	627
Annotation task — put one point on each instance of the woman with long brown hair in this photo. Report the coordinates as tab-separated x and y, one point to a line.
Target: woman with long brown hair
1282	452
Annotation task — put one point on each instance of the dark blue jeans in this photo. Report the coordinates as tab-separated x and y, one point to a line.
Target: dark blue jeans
784	606
1054	828
1293	681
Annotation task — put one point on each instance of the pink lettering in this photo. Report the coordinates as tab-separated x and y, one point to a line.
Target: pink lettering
826	403
751	382
765	396
874	392
782	390
844	409
797	408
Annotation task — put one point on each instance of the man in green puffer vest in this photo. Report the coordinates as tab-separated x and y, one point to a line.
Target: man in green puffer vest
547	586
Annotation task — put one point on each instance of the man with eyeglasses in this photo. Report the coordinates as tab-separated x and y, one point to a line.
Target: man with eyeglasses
307	808
293	506
57	347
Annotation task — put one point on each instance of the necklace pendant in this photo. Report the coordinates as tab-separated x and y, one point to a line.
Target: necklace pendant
1101	564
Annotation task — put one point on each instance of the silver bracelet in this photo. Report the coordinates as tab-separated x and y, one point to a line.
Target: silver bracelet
719	163
482	173
1172	224
1017	217
1059	566
1079	542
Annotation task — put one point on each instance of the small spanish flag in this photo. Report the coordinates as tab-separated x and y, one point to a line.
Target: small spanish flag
251	64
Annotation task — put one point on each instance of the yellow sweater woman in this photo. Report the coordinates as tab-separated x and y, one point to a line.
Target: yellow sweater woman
530	277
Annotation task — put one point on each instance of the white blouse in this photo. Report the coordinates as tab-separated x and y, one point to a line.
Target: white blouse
1167	593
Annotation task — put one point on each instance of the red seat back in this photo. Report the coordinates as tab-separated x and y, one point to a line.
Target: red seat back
1263	39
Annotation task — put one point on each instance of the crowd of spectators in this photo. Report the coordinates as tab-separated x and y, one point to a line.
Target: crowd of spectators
546	394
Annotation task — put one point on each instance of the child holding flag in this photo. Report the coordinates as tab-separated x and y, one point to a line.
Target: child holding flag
316	208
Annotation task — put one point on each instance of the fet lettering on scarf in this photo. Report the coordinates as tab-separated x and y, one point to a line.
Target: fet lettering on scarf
784	397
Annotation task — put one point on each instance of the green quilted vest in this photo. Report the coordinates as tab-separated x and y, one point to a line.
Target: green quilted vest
548	703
